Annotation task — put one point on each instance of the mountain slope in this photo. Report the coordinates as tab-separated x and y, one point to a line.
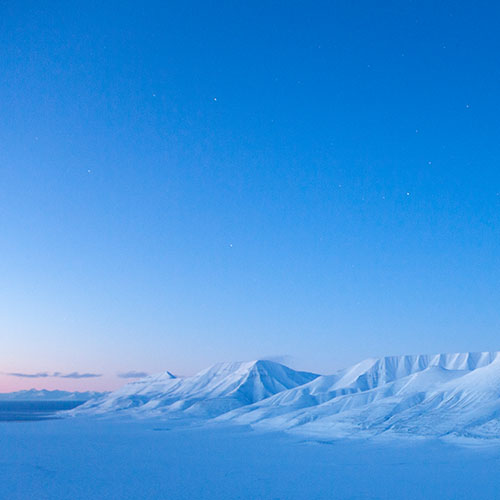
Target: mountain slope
427	395
211	392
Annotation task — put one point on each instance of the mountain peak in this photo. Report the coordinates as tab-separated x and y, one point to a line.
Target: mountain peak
215	390
436	394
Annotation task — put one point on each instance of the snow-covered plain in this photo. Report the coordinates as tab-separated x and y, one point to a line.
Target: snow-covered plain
88	458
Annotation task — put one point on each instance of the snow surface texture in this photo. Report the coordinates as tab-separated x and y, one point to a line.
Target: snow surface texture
452	395
101	459
45	395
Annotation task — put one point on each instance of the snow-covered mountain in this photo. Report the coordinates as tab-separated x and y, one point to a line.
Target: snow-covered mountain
211	392
45	395
430	395
444	394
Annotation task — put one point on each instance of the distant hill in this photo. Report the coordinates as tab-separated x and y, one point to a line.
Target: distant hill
45	395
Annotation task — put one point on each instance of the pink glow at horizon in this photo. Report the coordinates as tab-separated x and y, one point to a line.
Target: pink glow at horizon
10	383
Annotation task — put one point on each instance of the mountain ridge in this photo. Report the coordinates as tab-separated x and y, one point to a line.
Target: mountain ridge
49	395
214	390
427	395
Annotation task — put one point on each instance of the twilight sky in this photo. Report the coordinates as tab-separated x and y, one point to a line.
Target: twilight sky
189	182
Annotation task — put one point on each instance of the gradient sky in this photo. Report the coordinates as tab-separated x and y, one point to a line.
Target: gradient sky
189	182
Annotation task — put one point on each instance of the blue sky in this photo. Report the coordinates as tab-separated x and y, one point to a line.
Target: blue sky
191	182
